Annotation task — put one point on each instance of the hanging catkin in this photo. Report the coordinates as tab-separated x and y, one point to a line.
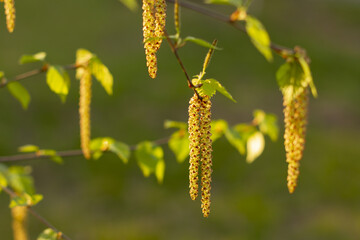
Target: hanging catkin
206	157
154	16
199	127
19	214
194	137
295	114
84	111
10	14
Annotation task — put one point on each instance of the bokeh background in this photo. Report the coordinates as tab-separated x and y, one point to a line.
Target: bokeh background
106	200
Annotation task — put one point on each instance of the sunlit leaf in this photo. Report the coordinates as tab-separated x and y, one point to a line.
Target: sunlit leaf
259	36
200	42
52	154
3	181
48	234
121	149
267	124
58	81
102	74
236	3
148	157
291	80
307	75
174	124
38	57
210	86
25	199
179	144
99	145
235	140
20	93
83	57
160	171
20	180
28	148
218	128
254	146
131	4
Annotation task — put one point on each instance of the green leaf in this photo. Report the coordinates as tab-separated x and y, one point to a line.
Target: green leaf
121	149
307	75
28	148
38	57
102	74
149	157
131	4
236	3
58	81
267	124
218	128
20	93
52	154
200	42
25	200
210	86
235	140
259	36
48	234
83	57
99	145
179	144
291	80
20	180
254	146
3	181
1	75
174	124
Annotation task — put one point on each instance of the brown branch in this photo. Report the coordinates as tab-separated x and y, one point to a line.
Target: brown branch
12	194
226	19
5	81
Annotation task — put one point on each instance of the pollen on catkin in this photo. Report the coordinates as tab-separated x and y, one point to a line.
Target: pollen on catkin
84	111
206	156
295	114
154	16
19	214
10	14
194	138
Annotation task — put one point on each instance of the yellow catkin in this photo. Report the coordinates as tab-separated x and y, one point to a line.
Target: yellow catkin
10	14
295	114
177	16
84	111
194	138
154	16
206	156
19	214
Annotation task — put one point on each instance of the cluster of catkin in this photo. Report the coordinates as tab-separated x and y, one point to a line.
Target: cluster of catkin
154	17
199	127
295	118
10	14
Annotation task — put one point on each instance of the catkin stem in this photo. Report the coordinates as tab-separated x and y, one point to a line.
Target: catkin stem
84	111
19	214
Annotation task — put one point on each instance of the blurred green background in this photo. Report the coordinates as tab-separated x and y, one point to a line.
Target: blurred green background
106	199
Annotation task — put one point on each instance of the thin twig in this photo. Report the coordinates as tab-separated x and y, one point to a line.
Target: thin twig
12	194
5	81
226	19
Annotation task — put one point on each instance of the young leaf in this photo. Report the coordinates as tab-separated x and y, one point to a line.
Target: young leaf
20	93
28	148
218	128
52	154
160	171
174	124
99	145
58	81
235	139
259	36
307	75
48	234
210	86
131	4
83	57
38	57
122	150
291	80
254	146
3	181
25	200
102	74
179	144
149	157
236	3
267	124
200	42
20	180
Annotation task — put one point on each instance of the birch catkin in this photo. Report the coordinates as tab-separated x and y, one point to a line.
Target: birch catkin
199	126
84	111
19	214
154	16
295	114
10	14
